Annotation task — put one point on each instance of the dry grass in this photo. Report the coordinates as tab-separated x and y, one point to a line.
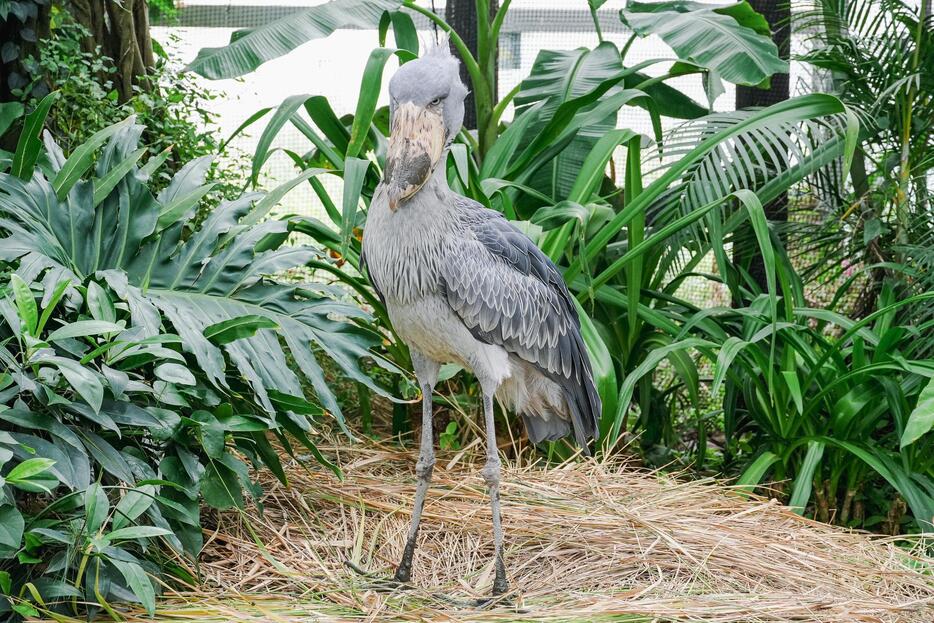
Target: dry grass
584	542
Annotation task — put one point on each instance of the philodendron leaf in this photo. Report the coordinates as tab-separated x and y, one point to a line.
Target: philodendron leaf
83	157
732	40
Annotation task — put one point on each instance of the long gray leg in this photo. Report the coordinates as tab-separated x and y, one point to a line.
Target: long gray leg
491	475
427	373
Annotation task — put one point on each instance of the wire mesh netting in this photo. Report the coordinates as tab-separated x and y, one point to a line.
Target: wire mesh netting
333	67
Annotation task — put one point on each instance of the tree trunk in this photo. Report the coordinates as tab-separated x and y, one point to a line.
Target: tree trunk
121	31
20	33
778	14
462	16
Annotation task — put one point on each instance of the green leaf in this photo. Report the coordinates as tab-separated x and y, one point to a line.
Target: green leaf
83	157
753	474
647	366
175	373
9	112
106	184
29	468
404	31
82	379
221	487
181	207
797	110
155	163
11	531
273	197
99	303
136	502
84	328
237	328
25	304
30	146
921	419
96	508
136	532
804	479
370	88
138	582
723	39
57	293
248	49
284	112
728	351
354	174
604	373
794	387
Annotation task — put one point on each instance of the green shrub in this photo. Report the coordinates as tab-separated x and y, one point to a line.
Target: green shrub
147	363
174	109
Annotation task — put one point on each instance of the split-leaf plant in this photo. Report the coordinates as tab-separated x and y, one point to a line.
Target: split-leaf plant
147	364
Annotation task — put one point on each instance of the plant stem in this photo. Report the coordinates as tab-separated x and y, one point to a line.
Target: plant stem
596	22
901	207
500	107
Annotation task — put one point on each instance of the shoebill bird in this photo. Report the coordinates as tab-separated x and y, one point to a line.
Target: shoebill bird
463	285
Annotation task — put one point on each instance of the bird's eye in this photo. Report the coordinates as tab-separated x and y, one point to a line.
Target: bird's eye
435	101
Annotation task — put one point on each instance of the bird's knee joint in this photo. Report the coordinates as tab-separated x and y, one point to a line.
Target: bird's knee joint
424	467
490	472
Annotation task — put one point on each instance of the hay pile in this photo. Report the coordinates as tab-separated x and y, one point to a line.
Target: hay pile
583	542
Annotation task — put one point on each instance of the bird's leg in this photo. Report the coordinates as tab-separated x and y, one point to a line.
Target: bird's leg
427	373
491	475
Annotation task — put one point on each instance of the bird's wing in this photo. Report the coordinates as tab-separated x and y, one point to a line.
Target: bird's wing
507	292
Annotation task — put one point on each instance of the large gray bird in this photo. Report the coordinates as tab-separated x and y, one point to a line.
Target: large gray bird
462	285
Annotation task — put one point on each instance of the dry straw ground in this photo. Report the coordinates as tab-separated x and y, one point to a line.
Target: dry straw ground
585	542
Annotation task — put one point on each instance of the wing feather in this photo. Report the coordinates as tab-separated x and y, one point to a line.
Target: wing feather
507	292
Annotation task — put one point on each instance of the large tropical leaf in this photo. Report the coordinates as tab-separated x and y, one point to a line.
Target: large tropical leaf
570	100
195	280
732	40
248	49
743	144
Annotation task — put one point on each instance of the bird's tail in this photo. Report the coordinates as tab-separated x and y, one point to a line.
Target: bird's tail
582	399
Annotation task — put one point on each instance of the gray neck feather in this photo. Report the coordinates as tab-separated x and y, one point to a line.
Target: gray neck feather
404	249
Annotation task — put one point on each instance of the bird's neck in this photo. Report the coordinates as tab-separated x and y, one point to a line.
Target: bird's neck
438	182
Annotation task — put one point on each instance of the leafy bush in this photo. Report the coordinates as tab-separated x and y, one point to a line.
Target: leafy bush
625	251
628	240
174	109
147	363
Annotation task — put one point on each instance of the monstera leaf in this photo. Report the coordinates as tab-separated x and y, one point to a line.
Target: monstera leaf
732	40
195	278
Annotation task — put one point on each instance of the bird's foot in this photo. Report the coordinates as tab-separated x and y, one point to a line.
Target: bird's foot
379	583
503	600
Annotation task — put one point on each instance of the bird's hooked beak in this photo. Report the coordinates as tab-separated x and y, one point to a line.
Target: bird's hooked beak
416	142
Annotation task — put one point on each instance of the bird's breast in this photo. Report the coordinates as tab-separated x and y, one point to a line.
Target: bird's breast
404	249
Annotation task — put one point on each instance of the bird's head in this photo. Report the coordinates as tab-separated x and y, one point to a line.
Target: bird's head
426	111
